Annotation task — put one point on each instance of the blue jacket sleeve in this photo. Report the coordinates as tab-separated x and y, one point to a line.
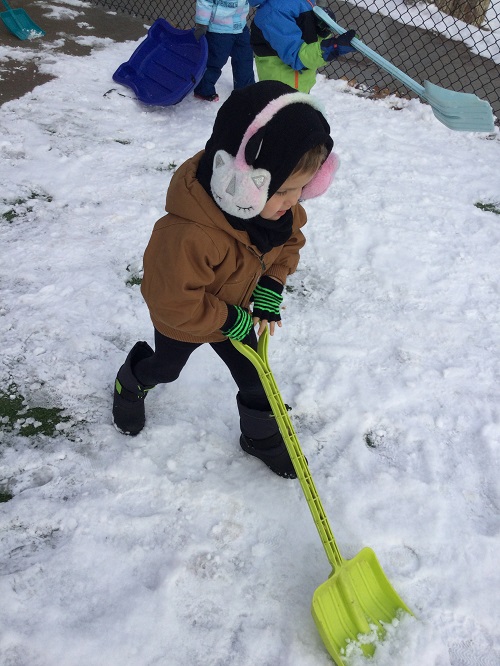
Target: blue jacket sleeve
280	29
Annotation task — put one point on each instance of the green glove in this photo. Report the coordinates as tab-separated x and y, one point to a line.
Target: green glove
267	299
238	324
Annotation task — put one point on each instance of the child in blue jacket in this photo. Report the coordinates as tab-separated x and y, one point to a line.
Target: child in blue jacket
290	43
223	22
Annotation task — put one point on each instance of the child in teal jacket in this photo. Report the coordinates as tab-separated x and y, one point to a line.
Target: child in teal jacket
223	22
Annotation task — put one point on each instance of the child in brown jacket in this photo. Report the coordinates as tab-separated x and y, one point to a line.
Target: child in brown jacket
231	237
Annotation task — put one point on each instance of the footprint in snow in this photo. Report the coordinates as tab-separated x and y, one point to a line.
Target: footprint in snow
30	479
468	642
402	560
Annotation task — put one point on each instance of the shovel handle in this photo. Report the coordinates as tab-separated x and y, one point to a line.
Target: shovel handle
259	360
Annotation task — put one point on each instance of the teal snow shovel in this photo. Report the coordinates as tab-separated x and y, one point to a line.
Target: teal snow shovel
19	23
357	599
458	111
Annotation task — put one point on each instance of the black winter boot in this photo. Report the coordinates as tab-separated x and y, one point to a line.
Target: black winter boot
129	415
261	438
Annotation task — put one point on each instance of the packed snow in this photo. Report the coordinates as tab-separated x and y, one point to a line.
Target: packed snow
175	547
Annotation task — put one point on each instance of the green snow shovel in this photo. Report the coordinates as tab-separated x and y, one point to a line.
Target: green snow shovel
19	23
457	110
357	598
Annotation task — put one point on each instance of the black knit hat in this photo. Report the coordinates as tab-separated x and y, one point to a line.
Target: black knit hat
259	135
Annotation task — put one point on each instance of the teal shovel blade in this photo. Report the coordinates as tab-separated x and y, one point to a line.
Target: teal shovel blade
20	24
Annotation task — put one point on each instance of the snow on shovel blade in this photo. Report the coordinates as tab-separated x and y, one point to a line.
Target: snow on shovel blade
354	604
19	23
457	110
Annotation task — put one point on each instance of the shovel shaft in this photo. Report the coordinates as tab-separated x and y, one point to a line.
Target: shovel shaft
373	55
260	362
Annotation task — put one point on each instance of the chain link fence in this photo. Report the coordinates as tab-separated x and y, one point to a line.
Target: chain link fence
452	43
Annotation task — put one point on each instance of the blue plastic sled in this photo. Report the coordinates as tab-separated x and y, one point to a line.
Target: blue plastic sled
166	66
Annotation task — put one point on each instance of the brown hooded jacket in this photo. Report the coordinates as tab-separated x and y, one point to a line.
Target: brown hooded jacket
196	262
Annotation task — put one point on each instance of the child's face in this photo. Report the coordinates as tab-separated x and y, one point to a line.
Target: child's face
287	196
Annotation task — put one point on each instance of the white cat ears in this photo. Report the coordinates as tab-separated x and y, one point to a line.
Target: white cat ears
241	190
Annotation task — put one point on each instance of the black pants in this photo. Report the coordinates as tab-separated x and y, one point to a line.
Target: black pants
171	356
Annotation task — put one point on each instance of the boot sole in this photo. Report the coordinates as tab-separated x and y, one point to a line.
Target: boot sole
126	432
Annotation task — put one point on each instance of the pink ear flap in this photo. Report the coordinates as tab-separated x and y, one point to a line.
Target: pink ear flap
322	179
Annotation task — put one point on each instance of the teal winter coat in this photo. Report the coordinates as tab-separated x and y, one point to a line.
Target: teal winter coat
223	16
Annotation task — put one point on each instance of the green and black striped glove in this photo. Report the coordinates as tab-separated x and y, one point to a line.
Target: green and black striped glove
267	298
238	324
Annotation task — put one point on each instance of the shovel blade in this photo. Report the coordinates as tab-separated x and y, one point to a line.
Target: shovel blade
20	24
459	111
355	600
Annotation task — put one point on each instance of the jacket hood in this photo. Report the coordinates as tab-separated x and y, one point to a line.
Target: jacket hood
259	135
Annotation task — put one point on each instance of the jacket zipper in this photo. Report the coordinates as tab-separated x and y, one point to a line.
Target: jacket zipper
259	257
256	278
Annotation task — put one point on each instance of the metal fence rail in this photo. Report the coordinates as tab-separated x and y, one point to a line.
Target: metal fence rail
426	43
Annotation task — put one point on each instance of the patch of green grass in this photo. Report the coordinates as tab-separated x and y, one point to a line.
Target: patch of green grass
134	280
5	496
136	272
370	440
171	166
19	207
10	215
299	289
17	415
489	207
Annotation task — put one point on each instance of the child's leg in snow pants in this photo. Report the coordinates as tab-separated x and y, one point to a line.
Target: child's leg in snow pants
242	60
171	356
260	436
219	50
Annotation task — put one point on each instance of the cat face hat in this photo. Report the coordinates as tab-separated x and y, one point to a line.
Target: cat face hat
259	136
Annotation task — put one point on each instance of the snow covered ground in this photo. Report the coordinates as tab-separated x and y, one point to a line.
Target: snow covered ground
175	547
